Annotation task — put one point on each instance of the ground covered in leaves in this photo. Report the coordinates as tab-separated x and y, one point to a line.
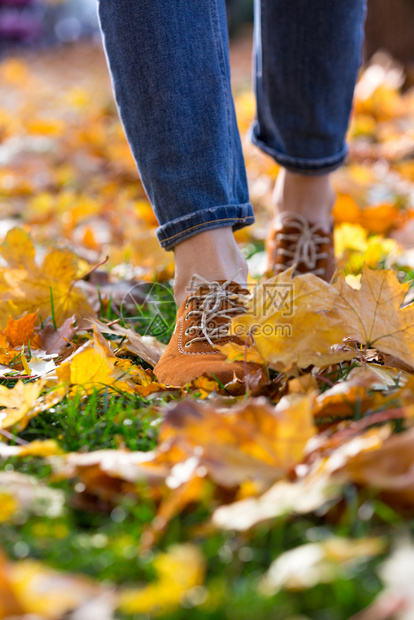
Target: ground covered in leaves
124	498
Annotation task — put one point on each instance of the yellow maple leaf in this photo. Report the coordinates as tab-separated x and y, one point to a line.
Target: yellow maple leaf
23	402
48	289
350	237
46	126
17	403
93	367
293	321
90	368
373	315
236	351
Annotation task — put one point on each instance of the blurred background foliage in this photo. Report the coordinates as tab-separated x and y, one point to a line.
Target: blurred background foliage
45	22
389	24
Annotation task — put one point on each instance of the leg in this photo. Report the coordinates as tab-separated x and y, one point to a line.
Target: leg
170	70
307	56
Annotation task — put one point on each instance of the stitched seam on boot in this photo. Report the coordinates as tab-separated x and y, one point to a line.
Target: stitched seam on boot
180	345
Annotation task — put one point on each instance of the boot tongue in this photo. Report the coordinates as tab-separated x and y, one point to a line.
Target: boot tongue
232	287
206	295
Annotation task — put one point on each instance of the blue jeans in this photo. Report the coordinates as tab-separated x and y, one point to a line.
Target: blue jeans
169	62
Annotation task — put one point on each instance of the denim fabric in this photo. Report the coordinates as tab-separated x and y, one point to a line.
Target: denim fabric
169	62
307	55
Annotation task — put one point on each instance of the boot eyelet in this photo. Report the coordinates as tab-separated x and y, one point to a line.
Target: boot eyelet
186	317
187	331
188	344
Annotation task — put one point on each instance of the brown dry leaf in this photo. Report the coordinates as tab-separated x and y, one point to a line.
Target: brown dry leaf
121	464
109	474
253	441
342	399
146	347
373	315
9	604
55	341
388	468
195	489
26	287
294	322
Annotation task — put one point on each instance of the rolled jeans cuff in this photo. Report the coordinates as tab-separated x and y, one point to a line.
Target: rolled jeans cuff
300	165
181	228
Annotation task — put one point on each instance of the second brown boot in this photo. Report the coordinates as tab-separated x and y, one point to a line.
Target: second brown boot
294	241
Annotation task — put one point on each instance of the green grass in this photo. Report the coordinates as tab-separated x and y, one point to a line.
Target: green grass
101	539
100	421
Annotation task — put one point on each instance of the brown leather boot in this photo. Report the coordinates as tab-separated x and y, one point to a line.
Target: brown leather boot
293	241
203	321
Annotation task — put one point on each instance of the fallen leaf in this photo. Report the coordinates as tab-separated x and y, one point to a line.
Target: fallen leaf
26	287
179	570
30	496
252	441
47	593
373	315
93	367
396	601
45	448
356	392
23	402
146	347
293	321
55	341
21	331
322	562
388	469
18	404
301	497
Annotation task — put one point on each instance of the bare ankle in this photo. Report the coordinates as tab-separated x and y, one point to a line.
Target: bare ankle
213	254
310	196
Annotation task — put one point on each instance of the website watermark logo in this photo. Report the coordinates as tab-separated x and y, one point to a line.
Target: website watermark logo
150	309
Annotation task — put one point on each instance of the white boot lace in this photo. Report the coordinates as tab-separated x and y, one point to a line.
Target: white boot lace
305	244
209	311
